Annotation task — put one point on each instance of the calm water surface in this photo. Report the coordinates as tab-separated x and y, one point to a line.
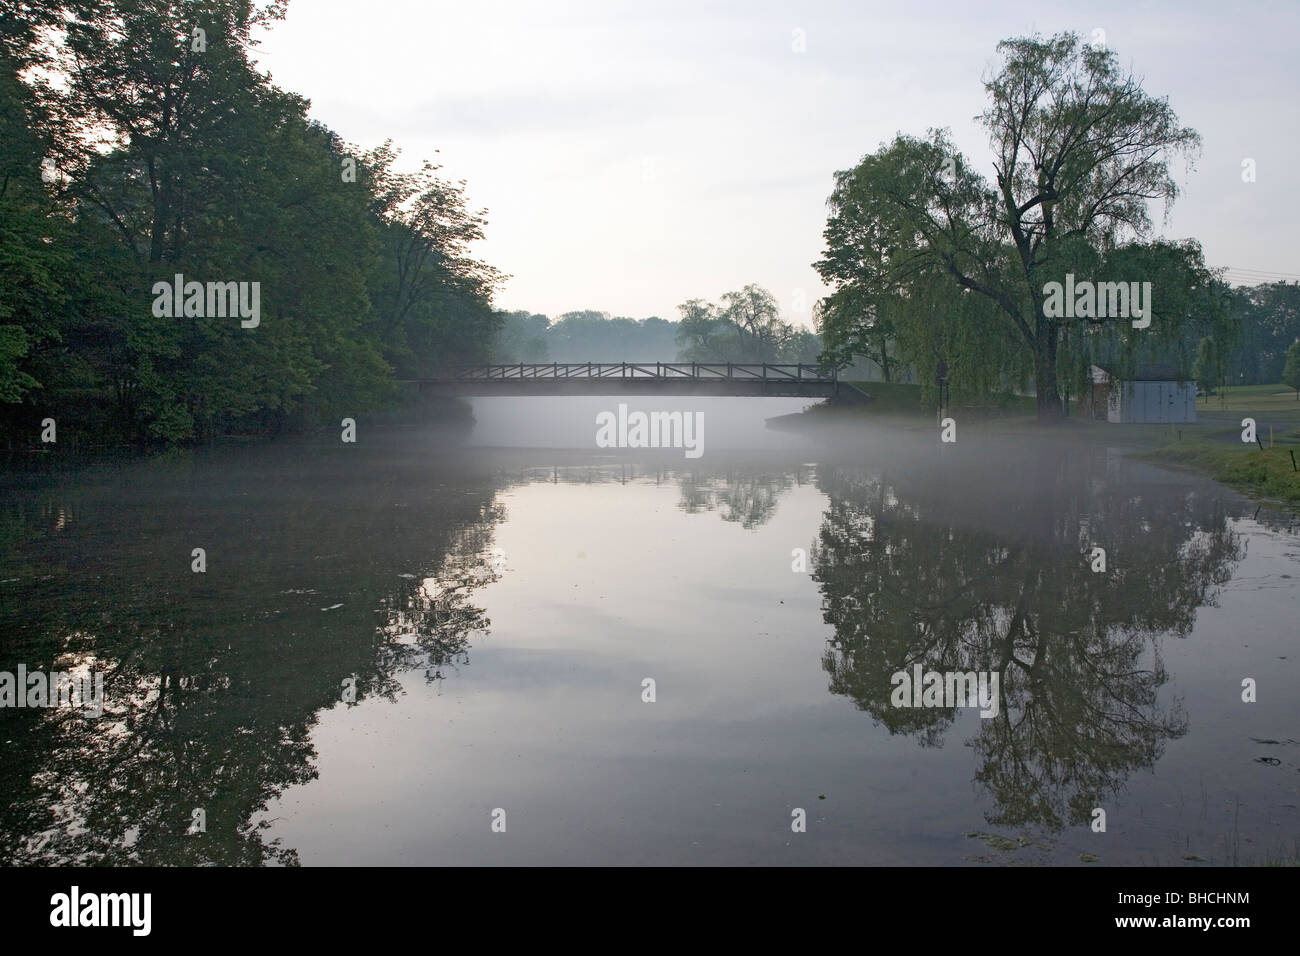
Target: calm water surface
497	612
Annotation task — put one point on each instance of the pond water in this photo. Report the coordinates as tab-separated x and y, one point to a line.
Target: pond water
411	651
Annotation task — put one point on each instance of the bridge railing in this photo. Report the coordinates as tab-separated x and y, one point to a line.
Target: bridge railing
710	371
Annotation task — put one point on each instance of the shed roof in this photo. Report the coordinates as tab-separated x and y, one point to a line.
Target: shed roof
1147	373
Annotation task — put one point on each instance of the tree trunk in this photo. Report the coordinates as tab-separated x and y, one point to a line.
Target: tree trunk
1049	399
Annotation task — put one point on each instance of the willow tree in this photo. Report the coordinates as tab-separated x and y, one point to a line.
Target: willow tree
1080	151
851	324
746	326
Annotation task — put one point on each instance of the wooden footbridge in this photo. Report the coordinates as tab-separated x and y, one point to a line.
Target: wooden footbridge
632	378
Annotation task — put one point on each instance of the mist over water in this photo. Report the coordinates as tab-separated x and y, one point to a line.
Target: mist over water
496	611
730	424
348	517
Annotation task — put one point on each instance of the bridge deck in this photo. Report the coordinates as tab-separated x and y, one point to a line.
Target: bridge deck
628	378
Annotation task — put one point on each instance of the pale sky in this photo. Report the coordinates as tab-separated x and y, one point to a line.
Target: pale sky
635	155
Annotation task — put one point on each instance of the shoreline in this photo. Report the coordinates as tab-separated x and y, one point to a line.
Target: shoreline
1211	446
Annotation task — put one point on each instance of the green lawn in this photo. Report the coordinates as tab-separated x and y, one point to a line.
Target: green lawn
1274	408
1244	398
892	398
1214	446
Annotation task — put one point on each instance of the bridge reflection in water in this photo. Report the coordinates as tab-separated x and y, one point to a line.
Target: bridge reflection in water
631	378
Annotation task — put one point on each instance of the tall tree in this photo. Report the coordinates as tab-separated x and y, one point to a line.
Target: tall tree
1080	150
1206	368
142	142
1291	370
1270	320
699	330
851	326
428	282
756	317
33	261
746	326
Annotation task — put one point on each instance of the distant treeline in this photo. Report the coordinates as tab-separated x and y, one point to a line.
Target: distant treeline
1269	317
584	336
745	326
184	253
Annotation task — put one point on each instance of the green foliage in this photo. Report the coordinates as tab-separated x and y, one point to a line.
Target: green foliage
1269	321
32	268
430	296
588	336
746	326
1206	367
584	336
938	321
853	325
522	338
1266	472
175	157
1080	150
1291	371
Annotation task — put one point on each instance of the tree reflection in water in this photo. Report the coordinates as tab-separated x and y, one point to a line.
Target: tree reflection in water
215	683
987	569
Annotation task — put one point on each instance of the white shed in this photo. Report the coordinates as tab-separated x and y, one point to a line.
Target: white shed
1153	395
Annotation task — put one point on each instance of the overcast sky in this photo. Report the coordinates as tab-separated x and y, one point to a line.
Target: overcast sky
632	156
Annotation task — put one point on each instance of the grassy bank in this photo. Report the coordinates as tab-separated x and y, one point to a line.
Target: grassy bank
903	400
1249	399
1266	473
1212	446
